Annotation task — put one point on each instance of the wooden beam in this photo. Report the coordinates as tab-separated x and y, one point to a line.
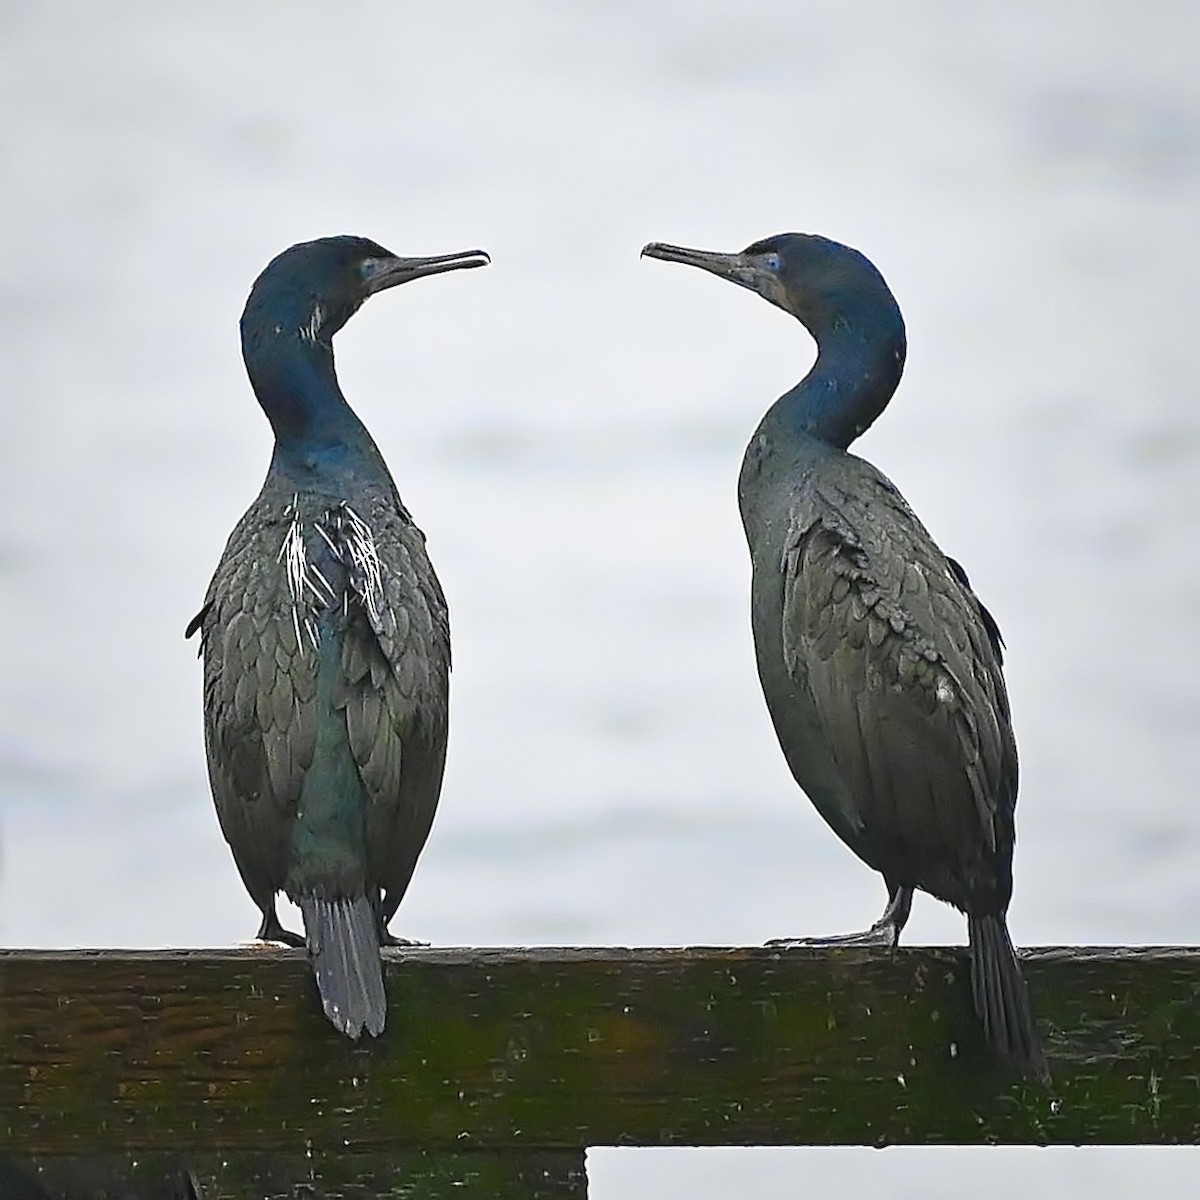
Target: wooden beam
493	1049
300	1175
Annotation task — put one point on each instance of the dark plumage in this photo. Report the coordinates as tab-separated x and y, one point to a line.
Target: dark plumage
880	667
326	642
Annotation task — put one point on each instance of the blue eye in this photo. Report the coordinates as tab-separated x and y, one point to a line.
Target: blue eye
773	261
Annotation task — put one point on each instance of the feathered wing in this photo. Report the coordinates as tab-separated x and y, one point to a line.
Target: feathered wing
396	667
902	664
259	686
898	661
261	681
328	615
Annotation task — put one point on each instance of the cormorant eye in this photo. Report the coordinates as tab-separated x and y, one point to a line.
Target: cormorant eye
773	261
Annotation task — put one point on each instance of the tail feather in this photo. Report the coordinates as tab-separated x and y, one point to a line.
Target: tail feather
344	946
1002	999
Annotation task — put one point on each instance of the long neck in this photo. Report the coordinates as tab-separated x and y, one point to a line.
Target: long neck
316	431
860	358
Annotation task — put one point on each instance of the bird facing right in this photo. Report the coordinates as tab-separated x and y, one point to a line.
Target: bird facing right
880	667
326	641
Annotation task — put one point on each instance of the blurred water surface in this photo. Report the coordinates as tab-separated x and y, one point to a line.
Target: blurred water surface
567	425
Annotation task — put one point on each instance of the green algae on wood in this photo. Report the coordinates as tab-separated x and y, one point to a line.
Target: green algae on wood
303	1175
568	1048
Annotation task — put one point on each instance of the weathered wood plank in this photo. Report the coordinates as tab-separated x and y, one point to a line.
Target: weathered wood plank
556	1048
302	1175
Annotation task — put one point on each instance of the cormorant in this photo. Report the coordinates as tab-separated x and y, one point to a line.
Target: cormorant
880	667
326	642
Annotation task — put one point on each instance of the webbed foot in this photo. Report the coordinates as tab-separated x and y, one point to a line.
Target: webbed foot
272	931
885	931
880	934
388	938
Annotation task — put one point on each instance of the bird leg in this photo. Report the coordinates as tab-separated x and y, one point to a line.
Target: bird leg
272	931
385	909
388	938
885	931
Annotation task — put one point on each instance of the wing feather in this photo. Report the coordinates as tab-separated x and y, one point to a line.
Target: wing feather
261	713
258	739
396	662
904	675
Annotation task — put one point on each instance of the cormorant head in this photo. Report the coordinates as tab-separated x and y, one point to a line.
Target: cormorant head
820	282
312	289
842	300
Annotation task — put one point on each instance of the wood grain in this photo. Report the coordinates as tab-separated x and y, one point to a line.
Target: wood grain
196	1051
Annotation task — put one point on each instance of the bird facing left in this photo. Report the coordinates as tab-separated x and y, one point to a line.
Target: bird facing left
326	642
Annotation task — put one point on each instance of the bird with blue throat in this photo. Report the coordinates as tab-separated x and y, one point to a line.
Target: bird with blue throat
881	668
326	642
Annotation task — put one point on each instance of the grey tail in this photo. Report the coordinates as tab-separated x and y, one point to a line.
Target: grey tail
1002	999
344	946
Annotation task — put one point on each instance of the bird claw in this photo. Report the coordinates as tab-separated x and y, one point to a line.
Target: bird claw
272	931
387	938
878	935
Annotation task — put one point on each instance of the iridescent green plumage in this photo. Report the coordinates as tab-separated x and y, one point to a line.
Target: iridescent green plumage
326	643
880	667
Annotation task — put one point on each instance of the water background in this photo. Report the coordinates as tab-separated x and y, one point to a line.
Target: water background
567	425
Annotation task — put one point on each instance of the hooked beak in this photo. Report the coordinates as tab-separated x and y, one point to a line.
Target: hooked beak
738	268
390	272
